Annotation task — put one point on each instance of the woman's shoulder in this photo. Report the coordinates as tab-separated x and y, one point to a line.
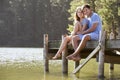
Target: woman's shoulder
76	22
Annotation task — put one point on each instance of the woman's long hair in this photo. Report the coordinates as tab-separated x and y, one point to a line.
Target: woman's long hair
76	18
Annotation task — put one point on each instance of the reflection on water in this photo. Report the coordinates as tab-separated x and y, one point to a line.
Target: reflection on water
27	64
20	54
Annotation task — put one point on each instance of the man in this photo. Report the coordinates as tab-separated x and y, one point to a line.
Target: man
92	33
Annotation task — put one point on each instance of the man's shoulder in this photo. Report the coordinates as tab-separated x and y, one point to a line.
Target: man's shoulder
95	15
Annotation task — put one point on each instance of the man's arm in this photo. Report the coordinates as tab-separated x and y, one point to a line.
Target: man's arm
91	29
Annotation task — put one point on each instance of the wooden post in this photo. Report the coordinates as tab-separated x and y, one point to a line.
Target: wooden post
101	55
87	59
45	53
64	60
111	66
111	71
76	64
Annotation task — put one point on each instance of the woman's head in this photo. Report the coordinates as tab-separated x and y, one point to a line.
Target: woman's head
79	13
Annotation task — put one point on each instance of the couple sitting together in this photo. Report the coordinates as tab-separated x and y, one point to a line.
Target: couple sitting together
85	28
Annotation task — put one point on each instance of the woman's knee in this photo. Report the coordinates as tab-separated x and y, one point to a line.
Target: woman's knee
75	38
66	39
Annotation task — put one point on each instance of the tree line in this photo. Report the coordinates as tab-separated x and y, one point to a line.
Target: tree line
23	22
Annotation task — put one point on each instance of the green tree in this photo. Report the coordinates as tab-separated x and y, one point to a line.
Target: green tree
74	4
108	9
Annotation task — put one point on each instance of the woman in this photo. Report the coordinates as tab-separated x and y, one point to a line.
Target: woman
80	24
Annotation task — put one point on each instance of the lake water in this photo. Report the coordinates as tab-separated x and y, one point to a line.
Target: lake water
27	64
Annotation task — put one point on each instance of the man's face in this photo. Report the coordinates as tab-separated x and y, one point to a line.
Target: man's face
87	12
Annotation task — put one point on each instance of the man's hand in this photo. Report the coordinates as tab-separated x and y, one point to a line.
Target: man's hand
79	32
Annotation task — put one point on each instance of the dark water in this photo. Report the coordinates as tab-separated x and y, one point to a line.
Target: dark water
27	64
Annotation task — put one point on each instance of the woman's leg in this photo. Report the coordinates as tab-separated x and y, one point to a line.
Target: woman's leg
62	47
75	40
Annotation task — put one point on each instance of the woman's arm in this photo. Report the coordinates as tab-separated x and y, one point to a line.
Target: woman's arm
84	28
76	28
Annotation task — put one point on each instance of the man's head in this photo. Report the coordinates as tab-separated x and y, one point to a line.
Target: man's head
87	10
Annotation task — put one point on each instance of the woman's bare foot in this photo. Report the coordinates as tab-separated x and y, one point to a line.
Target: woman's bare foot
56	56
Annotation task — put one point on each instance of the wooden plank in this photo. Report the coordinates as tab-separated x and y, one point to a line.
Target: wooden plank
55	44
84	53
87	59
113	44
91	44
110	44
112	59
111	53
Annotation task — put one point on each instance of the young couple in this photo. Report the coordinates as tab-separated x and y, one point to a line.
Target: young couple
84	29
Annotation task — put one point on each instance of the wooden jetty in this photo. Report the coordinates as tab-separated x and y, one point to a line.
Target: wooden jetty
104	50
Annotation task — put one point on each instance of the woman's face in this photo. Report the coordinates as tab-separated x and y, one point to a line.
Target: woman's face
79	13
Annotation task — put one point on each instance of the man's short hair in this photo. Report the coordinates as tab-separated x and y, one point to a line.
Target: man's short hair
86	6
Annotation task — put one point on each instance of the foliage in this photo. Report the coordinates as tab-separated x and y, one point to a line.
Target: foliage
23	22
109	11
74	4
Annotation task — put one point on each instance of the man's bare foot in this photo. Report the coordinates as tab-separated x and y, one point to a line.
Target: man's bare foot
56	56
76	58
70	57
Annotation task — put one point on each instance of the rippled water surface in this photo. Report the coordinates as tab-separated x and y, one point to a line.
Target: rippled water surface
27	64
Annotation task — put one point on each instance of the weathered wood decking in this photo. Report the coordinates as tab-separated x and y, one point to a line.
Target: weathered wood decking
106	54
111	45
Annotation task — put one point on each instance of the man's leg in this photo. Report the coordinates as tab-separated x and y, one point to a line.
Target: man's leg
79	48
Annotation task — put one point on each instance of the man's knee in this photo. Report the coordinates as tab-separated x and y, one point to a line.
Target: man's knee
86	37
